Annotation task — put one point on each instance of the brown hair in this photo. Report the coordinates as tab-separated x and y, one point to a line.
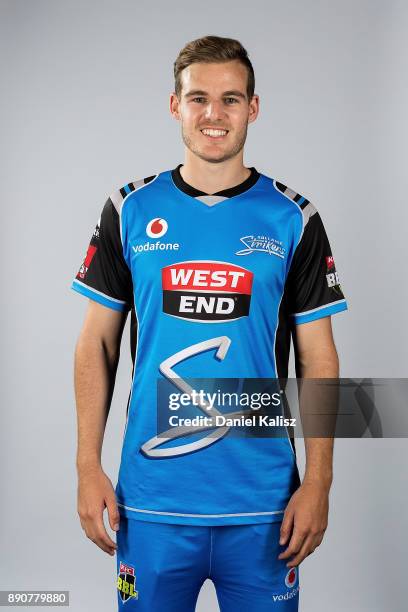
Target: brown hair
213	49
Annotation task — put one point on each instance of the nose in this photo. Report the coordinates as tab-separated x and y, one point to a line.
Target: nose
214	110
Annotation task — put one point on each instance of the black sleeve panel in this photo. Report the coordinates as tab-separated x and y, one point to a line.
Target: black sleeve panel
312	281
104	268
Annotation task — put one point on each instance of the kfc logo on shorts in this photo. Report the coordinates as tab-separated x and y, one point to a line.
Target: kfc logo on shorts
206	291
156	228
126	582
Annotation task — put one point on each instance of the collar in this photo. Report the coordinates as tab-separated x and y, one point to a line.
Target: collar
226	193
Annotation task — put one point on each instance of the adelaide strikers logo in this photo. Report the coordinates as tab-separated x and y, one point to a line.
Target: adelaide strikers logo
290	578
126	582
156	228
262	244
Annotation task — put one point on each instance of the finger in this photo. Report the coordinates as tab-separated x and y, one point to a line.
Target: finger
286	527
307	548
100	540
99	532
101	544
319	539
113	513
295	544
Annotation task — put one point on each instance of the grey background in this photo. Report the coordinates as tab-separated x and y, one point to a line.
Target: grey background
84	109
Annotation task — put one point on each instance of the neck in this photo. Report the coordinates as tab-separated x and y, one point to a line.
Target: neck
213	177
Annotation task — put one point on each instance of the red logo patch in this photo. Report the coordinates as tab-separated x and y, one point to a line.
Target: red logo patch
290	578
156	228
87	261
208	291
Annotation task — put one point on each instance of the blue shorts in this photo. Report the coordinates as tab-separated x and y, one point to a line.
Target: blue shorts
161	567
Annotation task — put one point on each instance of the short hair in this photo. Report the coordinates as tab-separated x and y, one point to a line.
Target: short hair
213	49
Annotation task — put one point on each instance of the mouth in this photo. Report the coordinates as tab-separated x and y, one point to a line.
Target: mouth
214	133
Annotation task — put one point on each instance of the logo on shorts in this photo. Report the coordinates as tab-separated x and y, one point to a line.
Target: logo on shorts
290	578
156	228
206	291
126	582
292	583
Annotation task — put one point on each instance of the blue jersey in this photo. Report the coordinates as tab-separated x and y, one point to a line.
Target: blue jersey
216	285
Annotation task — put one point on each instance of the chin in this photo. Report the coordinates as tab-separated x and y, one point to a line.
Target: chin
215	156
214	159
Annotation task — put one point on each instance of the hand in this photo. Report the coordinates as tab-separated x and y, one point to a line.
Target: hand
306	517
95	491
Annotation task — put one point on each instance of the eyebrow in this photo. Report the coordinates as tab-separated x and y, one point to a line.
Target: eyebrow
200	92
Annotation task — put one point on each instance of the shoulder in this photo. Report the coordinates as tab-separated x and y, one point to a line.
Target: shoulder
300	202
118	197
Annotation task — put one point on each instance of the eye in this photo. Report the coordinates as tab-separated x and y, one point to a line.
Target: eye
231	100
198	99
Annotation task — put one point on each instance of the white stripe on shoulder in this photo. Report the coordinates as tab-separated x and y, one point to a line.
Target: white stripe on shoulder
305	207
120	195
308	211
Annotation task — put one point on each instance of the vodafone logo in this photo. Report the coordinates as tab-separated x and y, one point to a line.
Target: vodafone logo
156	228
206	291
290	578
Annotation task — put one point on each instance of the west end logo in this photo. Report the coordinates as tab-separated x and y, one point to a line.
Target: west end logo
262	244
206	291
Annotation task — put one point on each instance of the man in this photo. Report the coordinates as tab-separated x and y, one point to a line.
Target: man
218	265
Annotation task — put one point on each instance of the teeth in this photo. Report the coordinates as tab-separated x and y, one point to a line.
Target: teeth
214	132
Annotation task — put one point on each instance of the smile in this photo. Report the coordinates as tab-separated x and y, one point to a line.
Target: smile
214	133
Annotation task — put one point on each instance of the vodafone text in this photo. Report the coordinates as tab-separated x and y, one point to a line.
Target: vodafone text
287	595
156	246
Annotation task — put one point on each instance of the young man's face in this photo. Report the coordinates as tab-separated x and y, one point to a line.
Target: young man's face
214	97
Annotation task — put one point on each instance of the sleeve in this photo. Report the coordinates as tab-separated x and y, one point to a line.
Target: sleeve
104	275
313	284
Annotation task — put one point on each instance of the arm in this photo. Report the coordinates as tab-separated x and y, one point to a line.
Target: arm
317	358
307	512
96	359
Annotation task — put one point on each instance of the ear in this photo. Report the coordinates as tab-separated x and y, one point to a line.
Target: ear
253	108
175	106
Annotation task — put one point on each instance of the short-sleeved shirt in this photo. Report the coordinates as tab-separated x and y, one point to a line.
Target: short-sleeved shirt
216	285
